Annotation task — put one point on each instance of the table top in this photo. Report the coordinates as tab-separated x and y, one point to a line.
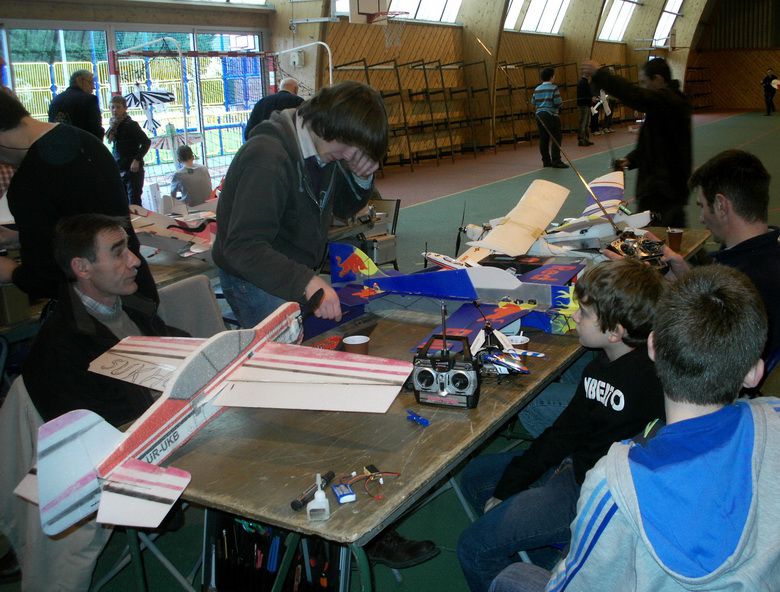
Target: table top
254	462
693	239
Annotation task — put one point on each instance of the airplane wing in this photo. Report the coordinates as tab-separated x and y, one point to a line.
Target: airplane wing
526	222
276	375
165	233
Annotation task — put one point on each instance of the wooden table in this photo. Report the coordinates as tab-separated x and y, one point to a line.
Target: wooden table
253	462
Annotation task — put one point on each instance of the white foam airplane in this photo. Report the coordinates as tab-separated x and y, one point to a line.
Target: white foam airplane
84	464
187	236
524	230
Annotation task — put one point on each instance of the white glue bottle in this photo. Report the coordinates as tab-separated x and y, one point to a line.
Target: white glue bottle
319	507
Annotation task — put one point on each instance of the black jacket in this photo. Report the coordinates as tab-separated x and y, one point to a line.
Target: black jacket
130	143
56	371
65	172
267	105
76	107
664	151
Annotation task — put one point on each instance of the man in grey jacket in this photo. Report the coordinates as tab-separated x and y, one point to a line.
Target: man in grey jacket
296	170
695	505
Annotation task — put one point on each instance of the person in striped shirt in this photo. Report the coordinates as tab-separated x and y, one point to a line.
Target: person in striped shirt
547	101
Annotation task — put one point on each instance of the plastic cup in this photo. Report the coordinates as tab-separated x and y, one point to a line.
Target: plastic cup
356	344
674	238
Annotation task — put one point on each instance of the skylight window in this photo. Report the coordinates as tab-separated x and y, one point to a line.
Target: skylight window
515	6
545	16
666	22
617	21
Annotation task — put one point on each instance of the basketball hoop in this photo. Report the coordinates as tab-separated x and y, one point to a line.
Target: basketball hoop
393	27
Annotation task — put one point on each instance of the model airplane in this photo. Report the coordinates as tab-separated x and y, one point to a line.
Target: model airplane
191	235
85	464
524	230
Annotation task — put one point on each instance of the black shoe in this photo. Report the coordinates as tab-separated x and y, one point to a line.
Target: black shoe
547	164
396	552
560	165
9	568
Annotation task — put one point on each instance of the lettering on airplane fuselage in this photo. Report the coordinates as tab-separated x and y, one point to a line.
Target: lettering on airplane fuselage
148	375
605	393
162	448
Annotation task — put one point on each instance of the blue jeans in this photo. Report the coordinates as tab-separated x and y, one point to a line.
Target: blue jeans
521	577
249	303
537	517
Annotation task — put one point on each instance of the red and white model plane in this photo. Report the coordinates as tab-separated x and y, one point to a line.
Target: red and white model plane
85	464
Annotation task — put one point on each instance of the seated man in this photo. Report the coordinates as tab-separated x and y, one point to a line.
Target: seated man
192	182
695	506
529	499
734	201
96	309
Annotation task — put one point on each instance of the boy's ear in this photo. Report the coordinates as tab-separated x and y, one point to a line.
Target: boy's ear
651	346
754	375
616	335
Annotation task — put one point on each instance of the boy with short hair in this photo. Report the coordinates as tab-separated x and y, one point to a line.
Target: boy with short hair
192	182
695	506
529	499
547	102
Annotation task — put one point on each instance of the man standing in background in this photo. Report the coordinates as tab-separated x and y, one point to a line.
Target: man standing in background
130	146
286	98
769	91
77	105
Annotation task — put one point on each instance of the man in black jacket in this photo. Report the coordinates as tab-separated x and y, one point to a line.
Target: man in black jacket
77	106
286	98
130	146
663	153
97	307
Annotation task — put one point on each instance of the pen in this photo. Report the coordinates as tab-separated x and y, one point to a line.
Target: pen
300	502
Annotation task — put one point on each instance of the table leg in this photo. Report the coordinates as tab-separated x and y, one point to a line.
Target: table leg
137	560
290	546
364	567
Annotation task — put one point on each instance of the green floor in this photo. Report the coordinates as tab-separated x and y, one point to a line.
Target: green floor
436	222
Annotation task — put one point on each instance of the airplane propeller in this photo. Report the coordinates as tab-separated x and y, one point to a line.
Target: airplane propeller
461	230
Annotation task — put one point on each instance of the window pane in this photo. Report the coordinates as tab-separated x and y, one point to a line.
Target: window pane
561	14
617	21
451	12
342	6
549	16
43	60
409	6
515	6
431	10
533	15
666	22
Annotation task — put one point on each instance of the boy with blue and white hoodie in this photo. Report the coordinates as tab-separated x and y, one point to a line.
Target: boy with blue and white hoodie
696	506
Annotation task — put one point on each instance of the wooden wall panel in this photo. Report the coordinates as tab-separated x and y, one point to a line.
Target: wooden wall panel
607	52
528	47
735	76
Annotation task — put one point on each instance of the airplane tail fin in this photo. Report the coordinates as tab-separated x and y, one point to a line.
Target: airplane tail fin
140	494
70	448
70	487
350	264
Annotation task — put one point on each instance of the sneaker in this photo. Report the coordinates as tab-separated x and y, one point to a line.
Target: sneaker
560	165
547	164
396	552
598	133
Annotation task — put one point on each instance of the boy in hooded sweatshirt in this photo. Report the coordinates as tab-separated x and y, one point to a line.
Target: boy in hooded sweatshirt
695	506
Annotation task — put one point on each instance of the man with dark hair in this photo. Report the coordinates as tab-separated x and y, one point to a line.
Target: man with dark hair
77	106
584	103
61	171
283	186
547	101
663	153
769	91
528	499
130	146
695	505
97	307
286	98
733	199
